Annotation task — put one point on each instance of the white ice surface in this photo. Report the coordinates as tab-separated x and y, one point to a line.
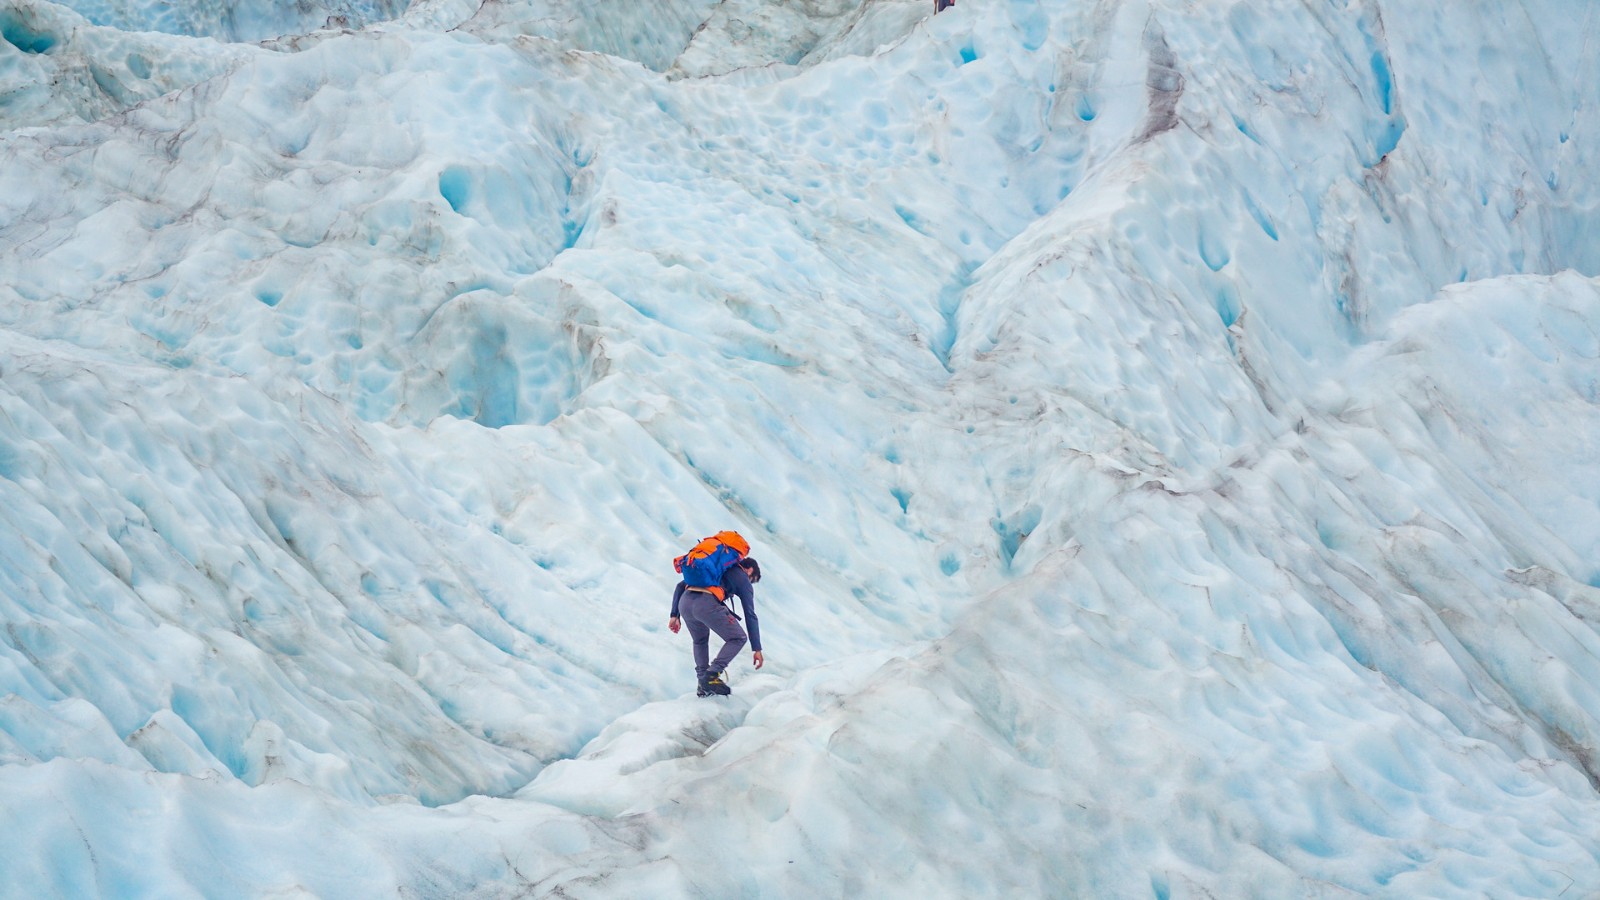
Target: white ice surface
1170	432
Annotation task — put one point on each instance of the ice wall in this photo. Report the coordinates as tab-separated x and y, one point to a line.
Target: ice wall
1167	430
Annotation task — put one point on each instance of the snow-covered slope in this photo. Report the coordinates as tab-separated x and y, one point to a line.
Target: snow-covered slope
1169	432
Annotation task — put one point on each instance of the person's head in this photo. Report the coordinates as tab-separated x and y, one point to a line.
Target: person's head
751	568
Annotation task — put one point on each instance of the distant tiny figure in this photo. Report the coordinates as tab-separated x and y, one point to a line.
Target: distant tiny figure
940	6
717	566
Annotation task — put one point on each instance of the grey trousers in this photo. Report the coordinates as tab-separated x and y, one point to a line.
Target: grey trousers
703	614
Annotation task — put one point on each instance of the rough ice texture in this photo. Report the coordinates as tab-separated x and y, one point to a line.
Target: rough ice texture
1170	432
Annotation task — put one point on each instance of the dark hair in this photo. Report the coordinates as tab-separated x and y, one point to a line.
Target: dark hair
752	567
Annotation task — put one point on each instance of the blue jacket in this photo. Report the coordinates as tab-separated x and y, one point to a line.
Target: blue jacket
734	582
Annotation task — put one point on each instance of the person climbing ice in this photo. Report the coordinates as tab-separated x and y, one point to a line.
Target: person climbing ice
716	568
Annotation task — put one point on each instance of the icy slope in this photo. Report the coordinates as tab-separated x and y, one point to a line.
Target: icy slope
1168	431
235	20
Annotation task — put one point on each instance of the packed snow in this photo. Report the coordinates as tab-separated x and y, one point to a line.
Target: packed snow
1170	434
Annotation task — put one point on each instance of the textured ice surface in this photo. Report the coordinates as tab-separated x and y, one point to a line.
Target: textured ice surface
1170	433
239	20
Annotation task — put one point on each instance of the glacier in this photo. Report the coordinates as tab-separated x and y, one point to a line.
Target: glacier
1170	433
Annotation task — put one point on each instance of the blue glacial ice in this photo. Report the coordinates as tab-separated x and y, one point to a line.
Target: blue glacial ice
1170	432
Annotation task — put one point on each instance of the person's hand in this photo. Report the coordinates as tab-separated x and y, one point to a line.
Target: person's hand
758	657
672	624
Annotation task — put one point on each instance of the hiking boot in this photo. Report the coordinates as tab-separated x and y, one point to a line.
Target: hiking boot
713	684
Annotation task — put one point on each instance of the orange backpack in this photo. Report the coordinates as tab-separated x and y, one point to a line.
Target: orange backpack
703	565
